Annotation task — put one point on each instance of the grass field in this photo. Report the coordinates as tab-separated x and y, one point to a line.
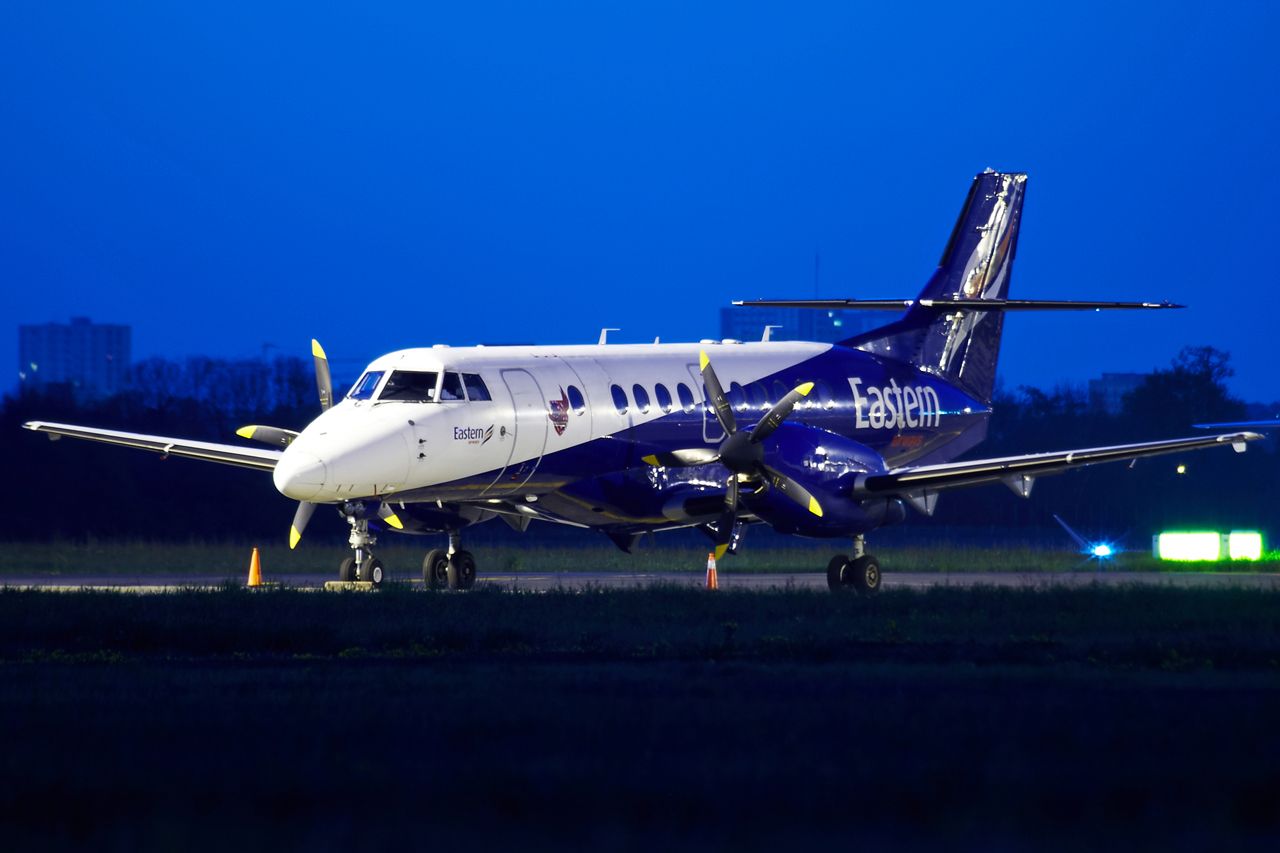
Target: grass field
69	559
960	718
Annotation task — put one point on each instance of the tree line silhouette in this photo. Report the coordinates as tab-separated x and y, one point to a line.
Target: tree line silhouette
78	490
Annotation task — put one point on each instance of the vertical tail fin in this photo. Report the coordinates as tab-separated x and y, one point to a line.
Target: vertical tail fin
962	345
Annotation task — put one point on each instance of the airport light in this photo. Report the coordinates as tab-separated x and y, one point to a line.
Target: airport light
1200	545
1244	545
1102	550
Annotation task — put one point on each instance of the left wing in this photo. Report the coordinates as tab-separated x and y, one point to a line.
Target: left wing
920	484
227	454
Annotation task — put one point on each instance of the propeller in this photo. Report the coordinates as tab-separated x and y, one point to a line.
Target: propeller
284	437
742	453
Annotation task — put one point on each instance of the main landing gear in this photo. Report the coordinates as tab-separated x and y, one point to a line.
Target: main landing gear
362	566
450	568
860	574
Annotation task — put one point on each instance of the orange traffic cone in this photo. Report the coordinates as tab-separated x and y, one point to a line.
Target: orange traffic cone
713	582
255	569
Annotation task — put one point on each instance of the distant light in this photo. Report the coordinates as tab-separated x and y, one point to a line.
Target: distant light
1181	469
1244	545
1198	545
1102	550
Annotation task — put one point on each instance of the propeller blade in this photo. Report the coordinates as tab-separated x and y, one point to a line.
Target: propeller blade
779	413
793	490
300	519
267	434
715	393
388	515
684	458
324	383
724	525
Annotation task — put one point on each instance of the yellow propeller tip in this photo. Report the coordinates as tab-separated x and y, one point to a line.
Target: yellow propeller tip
317	350
246	431
815	507
394	521
805	389
650	460
720	552
703	361
294	538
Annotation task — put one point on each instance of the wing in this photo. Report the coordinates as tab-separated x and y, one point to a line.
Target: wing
227	454
921	484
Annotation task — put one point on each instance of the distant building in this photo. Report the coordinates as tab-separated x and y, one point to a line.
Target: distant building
1108	392
795	324
91	358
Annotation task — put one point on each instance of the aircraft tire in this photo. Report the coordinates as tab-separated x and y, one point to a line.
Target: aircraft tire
462	570
372	570
863	575
435	569
347	570
835	573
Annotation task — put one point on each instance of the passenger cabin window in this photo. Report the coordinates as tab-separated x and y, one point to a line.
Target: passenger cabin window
686	397
451	389
476	389
363	390
411	386
663	396
619	399
575	400
757	396
641	397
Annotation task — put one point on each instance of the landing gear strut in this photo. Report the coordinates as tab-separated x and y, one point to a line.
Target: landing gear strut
452	568
363	566
860	574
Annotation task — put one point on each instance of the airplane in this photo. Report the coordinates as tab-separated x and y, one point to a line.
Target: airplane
820	440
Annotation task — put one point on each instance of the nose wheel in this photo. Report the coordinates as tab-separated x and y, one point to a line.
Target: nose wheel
363	565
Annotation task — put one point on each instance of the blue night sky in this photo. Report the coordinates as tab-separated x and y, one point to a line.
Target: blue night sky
381	176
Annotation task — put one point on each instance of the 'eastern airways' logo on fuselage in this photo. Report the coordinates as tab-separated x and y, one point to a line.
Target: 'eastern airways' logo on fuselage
894	406
473	435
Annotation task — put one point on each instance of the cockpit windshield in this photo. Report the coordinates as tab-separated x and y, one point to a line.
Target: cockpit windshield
414	386
363	390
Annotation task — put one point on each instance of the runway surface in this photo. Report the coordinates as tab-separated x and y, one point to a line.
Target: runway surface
580	581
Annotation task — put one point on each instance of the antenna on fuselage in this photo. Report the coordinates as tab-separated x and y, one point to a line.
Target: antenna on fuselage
604	336
768	334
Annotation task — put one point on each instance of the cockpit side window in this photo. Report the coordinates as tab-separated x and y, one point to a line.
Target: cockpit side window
413	386
452	387
363	390
476	389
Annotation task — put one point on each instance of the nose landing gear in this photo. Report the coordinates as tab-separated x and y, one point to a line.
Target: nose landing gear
363	565
860	574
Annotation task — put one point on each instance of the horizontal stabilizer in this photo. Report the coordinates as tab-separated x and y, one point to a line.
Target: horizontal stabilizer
953	304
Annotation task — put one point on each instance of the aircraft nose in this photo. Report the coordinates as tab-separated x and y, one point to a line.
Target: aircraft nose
299	475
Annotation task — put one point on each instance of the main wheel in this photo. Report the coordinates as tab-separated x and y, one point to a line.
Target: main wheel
435	569
347	570
863	574
462	570
835	573
371	570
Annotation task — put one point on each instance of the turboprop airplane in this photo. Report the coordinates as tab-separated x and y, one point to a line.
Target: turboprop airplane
829	441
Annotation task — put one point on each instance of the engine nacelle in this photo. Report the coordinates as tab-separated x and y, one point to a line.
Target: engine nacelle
827	465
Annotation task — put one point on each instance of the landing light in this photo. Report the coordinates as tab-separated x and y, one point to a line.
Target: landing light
1102	550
